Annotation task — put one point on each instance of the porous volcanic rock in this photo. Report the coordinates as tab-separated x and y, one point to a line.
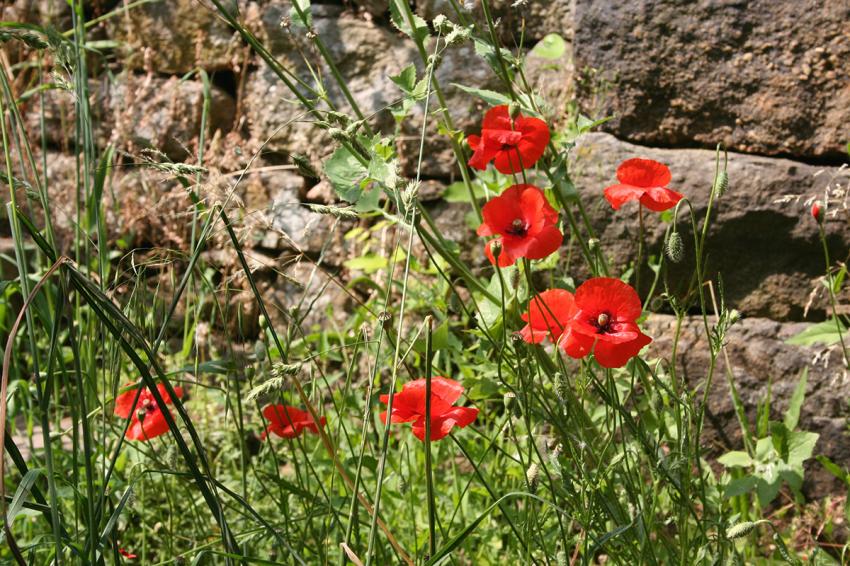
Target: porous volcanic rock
135	112
178	36
767	252
769	77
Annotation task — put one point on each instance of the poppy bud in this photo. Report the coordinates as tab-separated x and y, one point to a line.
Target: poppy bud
262	322
562	384
816	211
675	247
532	474
496	249
511	403
385	319
721	184
402	485
593	244
513	110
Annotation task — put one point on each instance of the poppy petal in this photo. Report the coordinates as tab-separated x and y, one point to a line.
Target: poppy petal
609	295
659	199
545	243
611	355
618	195
576	345
643	173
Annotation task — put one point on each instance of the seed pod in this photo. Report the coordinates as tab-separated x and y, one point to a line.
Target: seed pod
721	184
675	247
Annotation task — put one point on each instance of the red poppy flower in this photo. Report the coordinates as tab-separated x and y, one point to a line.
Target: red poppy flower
288	422
816	210
146	420
512	145
524	221
605	323
549	315
643	180
409	406
125	554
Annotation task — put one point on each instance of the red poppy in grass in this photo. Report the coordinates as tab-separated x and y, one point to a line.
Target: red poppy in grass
816	211
548	316
511	145
125	554
288	422
643	180
605	323
525	222
409	406
146	420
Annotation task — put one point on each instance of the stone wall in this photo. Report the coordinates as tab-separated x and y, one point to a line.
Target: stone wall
770	79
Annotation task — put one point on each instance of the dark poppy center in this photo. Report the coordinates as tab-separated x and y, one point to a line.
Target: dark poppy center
603	323
517	227
508	146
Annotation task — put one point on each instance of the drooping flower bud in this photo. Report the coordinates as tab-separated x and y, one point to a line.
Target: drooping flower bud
721	184
675	247
816	212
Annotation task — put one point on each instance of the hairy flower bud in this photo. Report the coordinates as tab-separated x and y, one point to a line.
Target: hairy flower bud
674	248
496	248
721	184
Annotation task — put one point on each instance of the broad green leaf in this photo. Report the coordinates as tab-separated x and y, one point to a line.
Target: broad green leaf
736	458
406	79
825	333
792	415
552	46
491	97
345	173
418	31
458	192
740	486
368	263
801	445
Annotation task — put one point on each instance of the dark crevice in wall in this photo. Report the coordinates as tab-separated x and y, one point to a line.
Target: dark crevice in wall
829	160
